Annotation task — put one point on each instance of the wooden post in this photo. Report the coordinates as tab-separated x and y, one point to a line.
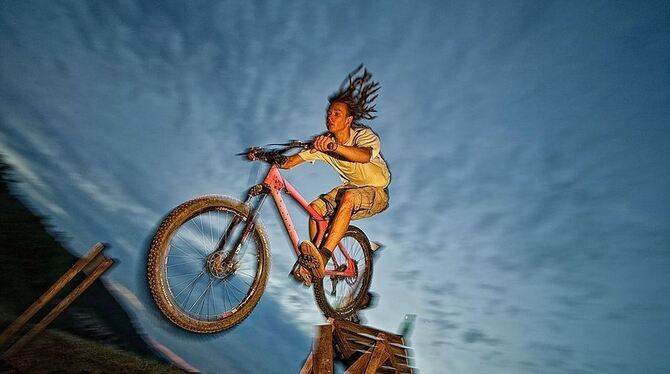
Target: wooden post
307	367
72	296
379	355
93	263
360	364
323	351
50	293
370	349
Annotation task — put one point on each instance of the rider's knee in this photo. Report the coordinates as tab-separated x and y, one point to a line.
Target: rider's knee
316	205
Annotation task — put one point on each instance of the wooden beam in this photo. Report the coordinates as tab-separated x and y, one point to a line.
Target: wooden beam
378	357
392	359
370	349
50	293
360	364
55	312
307	367
323	351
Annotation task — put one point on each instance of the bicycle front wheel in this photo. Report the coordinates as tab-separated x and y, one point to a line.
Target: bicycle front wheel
338	296
190	287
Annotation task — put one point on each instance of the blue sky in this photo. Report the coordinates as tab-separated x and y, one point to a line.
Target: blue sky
528	141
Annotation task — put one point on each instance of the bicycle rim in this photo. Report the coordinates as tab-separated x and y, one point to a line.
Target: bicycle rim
190	285
349	291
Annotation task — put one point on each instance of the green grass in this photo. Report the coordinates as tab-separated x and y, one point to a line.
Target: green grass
56	351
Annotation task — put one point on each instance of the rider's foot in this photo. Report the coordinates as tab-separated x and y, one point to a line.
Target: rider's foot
318	265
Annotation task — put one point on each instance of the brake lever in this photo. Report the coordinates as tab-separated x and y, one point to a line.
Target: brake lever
249	150
293	143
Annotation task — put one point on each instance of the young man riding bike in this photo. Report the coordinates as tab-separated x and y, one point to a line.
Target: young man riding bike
353	150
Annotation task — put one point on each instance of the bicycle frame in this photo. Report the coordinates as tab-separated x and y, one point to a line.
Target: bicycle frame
275	184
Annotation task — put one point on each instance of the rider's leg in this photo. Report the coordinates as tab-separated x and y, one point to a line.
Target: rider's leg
321	208
338	226
336	230
318	205
347	202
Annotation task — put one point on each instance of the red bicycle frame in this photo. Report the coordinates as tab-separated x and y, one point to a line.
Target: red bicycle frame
276	184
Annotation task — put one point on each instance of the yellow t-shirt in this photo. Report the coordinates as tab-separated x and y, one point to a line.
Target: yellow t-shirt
374	173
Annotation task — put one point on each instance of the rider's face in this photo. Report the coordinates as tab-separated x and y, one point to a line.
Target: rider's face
338	118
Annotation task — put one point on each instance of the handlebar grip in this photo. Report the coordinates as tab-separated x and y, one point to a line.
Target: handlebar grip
331	146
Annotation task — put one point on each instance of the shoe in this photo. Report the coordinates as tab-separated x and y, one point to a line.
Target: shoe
313	259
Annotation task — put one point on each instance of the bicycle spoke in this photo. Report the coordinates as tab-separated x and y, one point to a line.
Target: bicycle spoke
194	253
186	226
237	289
198	299
190	283
180	283
204	254
184	263
211	234
247	283
200	225
225	286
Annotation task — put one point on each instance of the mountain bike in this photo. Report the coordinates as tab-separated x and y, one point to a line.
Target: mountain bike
209	260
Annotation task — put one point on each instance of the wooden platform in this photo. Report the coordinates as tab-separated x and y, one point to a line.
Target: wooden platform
363	349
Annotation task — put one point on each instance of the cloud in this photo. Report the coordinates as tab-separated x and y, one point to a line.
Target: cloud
476	336
519	186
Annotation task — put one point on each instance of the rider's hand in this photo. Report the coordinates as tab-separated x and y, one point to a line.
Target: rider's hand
251	156
323	143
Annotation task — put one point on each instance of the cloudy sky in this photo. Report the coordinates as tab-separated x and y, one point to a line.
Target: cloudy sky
529	225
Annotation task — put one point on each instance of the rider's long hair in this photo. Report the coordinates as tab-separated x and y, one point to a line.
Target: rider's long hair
358	92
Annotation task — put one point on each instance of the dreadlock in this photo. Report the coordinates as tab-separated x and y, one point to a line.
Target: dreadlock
358	92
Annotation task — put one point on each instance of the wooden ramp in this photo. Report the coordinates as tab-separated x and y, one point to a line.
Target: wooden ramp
362	349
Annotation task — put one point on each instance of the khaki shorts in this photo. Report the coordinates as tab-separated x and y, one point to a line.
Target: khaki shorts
368	200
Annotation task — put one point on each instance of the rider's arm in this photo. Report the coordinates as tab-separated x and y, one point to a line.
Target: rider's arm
362	151
353	153
292	161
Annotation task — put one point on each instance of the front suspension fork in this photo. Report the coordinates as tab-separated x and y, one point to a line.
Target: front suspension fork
256	190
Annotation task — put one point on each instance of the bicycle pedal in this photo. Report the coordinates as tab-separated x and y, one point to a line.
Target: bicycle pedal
295	272
307	261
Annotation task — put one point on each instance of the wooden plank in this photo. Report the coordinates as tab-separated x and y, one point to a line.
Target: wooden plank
349	345
378	357
56	311
323	351
395	361
50	293
360	364
307	367
399	353
371	349
356	329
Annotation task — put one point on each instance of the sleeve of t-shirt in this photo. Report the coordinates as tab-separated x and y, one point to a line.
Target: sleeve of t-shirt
309	156
367	138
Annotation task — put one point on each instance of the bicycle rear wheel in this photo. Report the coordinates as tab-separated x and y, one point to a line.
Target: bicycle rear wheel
190	287
340	297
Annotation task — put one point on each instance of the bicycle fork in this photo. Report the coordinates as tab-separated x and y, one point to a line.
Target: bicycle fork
225	266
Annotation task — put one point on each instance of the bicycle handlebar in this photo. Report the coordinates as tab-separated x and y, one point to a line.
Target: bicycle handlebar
276	156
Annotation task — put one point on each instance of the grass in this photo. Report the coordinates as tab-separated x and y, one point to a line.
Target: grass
57	351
